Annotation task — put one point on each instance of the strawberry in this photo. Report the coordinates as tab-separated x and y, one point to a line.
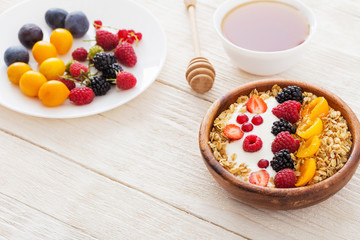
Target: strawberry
284	140
77	70
106	39
252	143
80	54
256	105
260	178
81	95
288	110
285	178
125	80
233	132
125	54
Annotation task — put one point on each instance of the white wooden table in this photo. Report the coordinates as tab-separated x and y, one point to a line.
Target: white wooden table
136	172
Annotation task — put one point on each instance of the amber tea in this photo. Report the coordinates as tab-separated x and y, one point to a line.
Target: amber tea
265	26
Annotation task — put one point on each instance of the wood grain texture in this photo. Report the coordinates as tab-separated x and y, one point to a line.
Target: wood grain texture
137	169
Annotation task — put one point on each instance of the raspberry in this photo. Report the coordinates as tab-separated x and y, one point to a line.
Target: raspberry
281	126
81	96
103	60
285	141
97	24
290	93
77	70
125	54
252	143
285	179
125	80
80	54
99	85
106	40
282	160
69	83
93	51
112	71
67	67
288	110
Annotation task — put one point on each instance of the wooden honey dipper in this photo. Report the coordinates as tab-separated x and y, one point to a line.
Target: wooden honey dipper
200	73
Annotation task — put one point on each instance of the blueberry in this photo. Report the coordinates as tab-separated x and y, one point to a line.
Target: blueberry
55	17
29	34
77	23
16	54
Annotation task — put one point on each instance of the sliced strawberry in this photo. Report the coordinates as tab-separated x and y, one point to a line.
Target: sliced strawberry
260	178
256	105
233	132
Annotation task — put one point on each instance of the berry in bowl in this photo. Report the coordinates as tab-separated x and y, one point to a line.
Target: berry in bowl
280	144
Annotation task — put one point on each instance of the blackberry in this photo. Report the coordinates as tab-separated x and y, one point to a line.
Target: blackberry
282	126
112	71
103	60
282	160
290	93
99	85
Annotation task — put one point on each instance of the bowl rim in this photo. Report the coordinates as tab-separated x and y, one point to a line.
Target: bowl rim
214	111
312	28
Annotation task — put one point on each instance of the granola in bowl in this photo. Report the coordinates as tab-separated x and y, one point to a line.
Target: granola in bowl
281	138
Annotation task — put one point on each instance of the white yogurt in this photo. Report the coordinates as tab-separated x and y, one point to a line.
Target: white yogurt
263	131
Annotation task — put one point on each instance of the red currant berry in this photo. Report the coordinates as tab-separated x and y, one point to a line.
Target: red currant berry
97	24
139	36
247	127
122	34
242	118
131	32
130	39
257	120
263	163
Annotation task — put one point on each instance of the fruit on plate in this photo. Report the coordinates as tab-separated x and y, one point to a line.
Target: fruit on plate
309	128
52	68
62	40
125	80
125	54
107	40
233	132
43	50
53	93
55	18
256	105
99	85
16	54
80	54
16	70
317	108
77	23
30	83
260	178
81	95
307	172
309	147
29	34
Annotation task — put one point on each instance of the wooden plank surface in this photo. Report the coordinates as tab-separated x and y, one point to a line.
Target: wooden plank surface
136	172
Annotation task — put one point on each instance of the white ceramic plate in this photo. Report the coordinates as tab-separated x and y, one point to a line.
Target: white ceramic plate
124	14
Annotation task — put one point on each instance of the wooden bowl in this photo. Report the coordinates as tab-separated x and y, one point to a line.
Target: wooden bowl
275	198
